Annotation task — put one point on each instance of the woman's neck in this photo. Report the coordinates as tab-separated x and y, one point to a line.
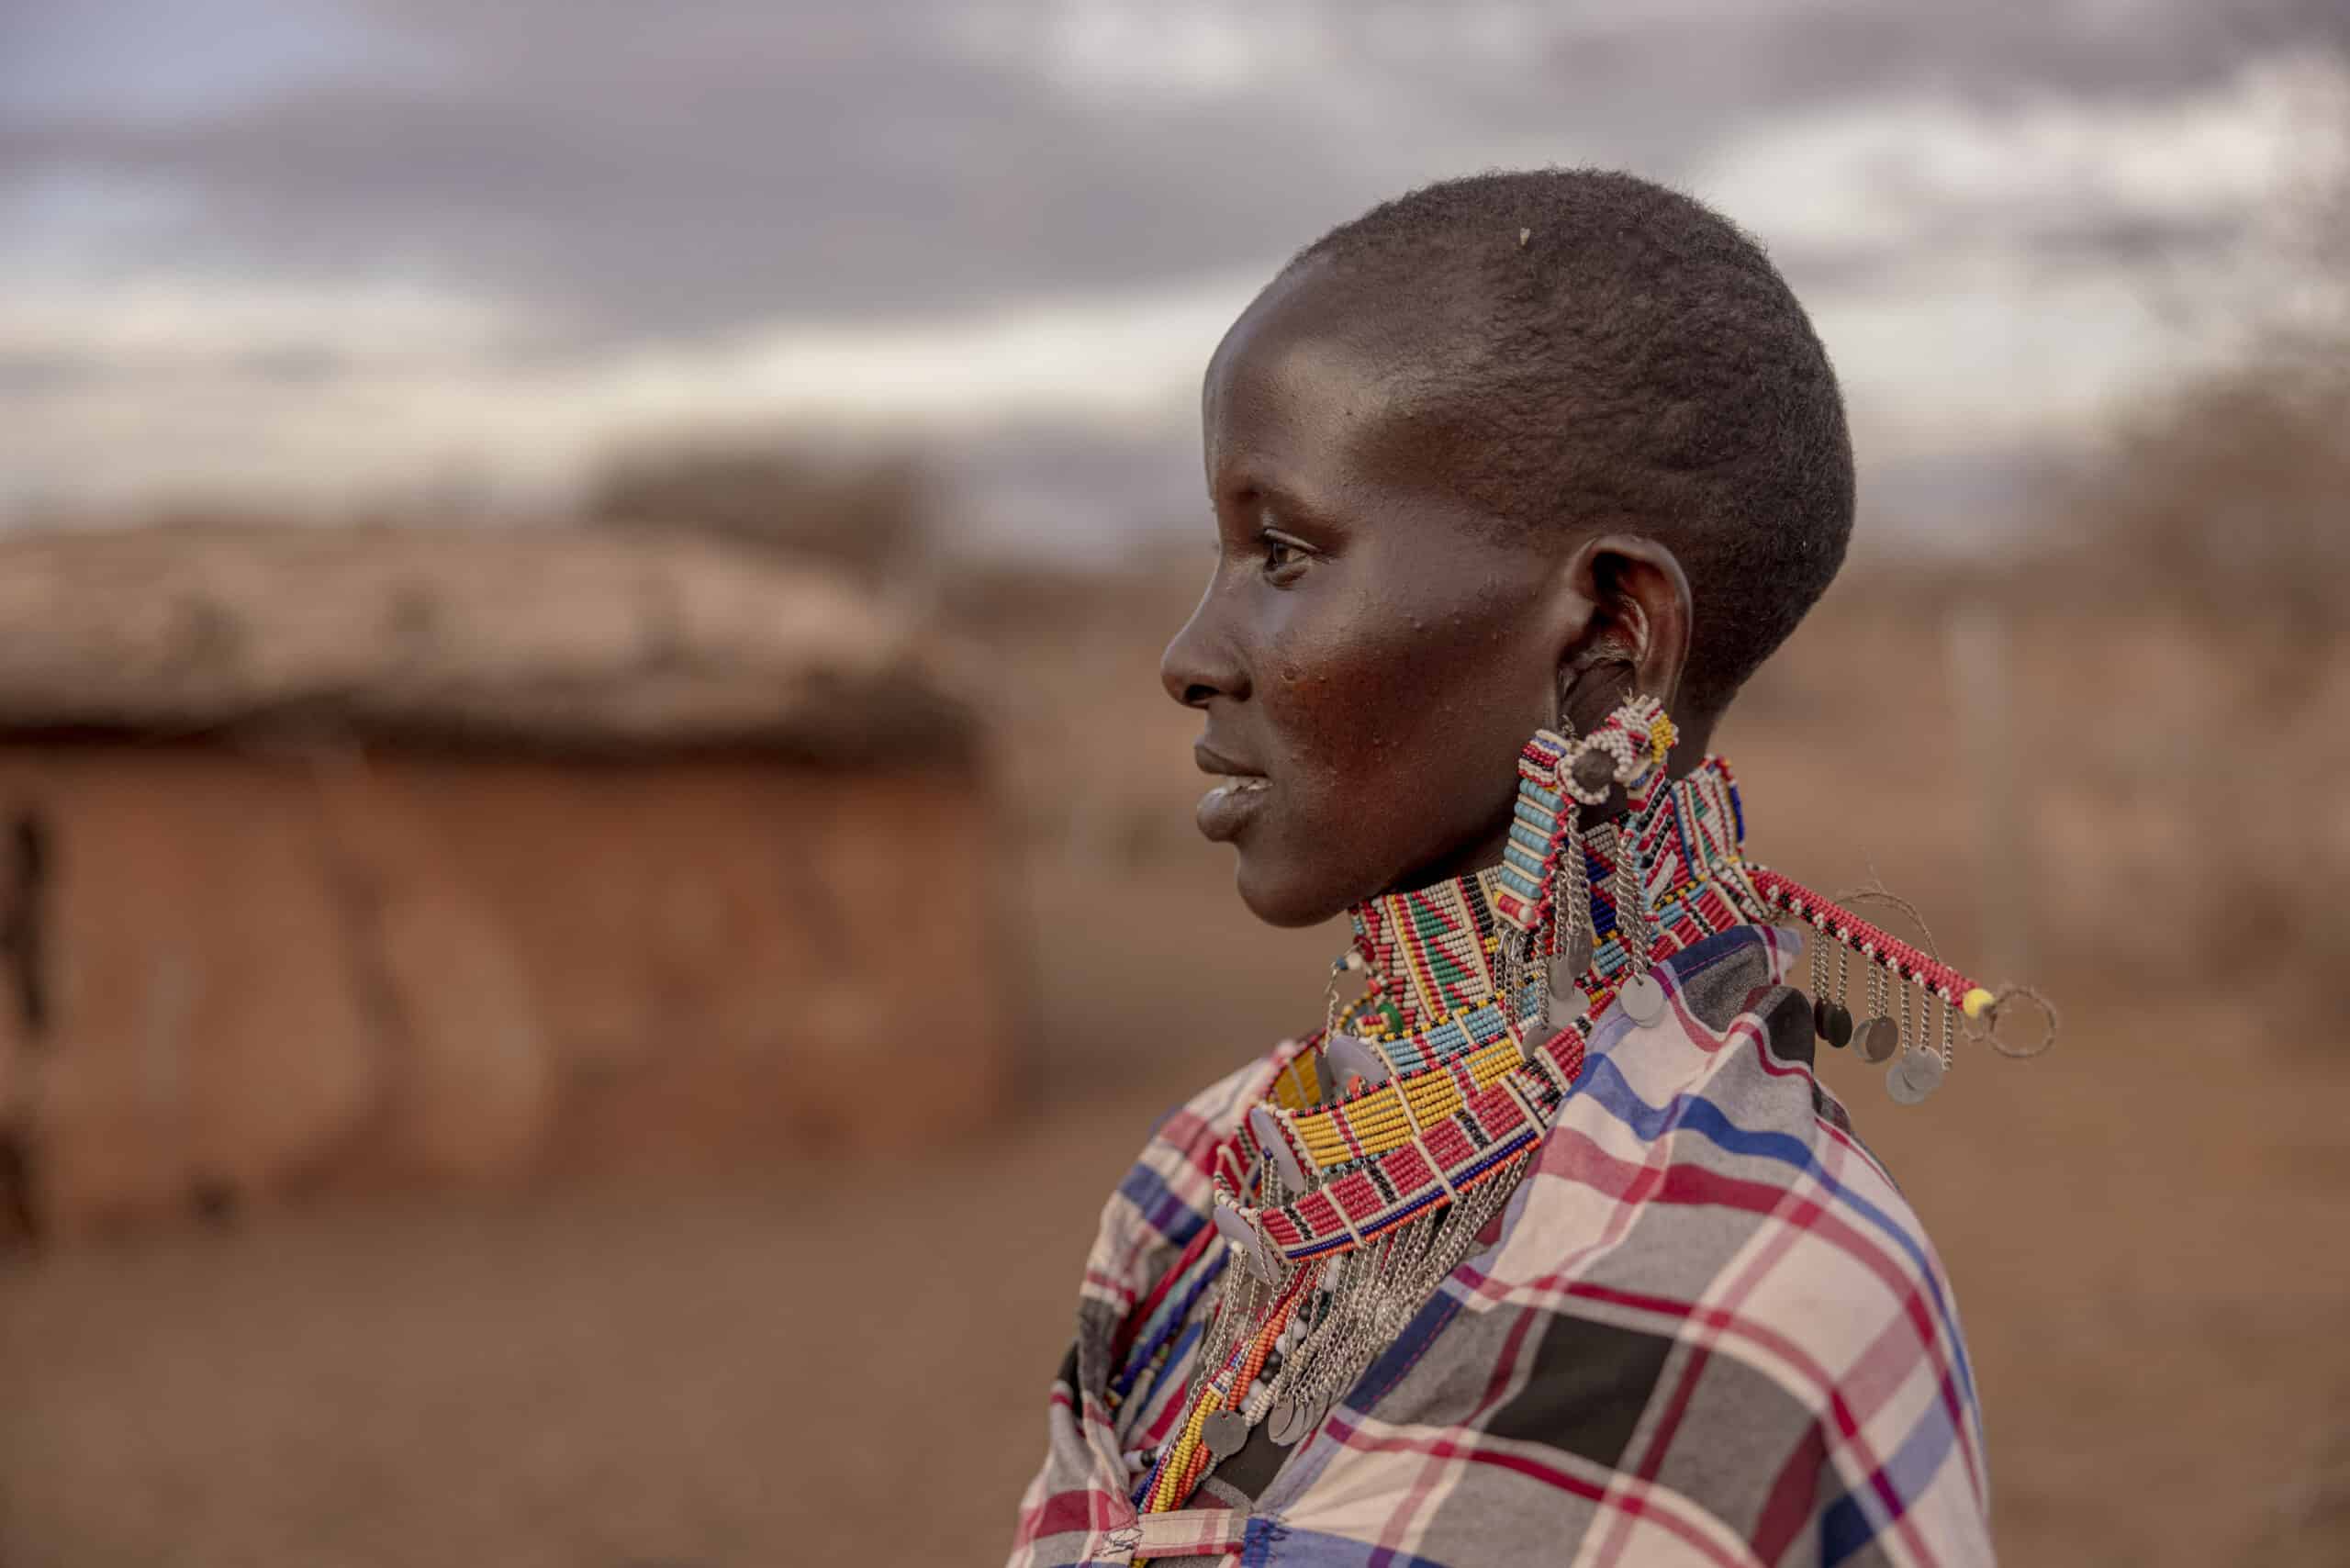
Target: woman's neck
1688	757
1433	951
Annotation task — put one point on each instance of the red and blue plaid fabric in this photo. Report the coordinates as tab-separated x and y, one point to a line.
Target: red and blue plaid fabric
1706	1330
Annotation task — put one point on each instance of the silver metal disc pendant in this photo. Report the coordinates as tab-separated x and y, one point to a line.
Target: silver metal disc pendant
1225	1432
1348	1057
1268	1133
1292	1421
1915	1076
1877	1039
1643	999
1236	1229
1567	1000
1571	966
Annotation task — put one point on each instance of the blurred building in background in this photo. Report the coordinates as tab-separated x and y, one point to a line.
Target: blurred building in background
336	858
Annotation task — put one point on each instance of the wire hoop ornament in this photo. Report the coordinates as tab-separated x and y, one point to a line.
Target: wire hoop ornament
1996	1012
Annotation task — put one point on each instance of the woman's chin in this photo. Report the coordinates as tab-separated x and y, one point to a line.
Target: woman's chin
1278	896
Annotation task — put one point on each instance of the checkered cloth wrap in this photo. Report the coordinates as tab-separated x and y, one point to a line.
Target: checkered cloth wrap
1705	1329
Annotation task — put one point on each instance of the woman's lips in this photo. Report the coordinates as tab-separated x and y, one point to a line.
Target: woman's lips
1225	810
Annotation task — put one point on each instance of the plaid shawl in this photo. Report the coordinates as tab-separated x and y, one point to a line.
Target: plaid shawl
1705	1329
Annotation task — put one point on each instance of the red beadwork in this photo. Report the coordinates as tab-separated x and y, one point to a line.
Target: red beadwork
1786	892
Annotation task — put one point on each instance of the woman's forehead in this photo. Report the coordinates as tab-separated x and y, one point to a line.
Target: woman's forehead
1300	383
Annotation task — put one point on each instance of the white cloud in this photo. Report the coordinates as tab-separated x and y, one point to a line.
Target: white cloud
1967	331
1983	352
164	321
1099	360
1890	171
182	392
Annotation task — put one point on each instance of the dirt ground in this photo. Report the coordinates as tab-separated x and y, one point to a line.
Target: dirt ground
797	1364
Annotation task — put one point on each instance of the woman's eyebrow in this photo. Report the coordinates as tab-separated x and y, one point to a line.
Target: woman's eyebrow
1293	508
1256	489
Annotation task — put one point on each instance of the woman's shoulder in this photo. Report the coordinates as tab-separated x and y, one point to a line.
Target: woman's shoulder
1702	1175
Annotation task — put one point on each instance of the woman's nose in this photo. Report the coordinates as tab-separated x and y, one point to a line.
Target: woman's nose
1201	662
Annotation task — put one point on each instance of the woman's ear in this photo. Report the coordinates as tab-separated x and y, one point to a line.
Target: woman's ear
1632	633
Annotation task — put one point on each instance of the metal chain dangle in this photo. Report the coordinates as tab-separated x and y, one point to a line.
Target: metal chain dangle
1819	997
1832	1016
1880	1037
1919	1072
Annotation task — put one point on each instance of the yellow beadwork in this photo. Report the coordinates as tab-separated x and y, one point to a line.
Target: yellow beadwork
1977	1002
1662	735
1300	1083
1170	1475
1378	1120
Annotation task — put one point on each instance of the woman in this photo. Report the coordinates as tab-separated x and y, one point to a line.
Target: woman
1548	1245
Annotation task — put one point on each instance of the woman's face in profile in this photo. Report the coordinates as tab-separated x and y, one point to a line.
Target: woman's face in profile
1370	654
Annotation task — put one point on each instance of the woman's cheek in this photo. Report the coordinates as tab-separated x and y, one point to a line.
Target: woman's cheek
1313	702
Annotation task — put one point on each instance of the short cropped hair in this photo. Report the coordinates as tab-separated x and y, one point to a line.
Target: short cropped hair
1631	358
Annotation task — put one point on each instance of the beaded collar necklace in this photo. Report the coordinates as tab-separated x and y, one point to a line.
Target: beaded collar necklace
1448	1073
1390	1136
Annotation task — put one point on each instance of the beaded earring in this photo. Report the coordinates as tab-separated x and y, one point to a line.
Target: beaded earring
1544	892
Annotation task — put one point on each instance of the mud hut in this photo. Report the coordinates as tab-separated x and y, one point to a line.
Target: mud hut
335	859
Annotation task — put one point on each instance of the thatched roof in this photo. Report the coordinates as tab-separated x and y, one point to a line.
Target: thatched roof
572	640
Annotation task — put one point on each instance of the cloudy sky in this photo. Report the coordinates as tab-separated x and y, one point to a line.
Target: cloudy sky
306	250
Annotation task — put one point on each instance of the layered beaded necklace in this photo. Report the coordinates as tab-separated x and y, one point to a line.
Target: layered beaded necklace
1390	1137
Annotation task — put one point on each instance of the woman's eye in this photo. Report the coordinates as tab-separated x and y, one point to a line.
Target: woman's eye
1283	558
